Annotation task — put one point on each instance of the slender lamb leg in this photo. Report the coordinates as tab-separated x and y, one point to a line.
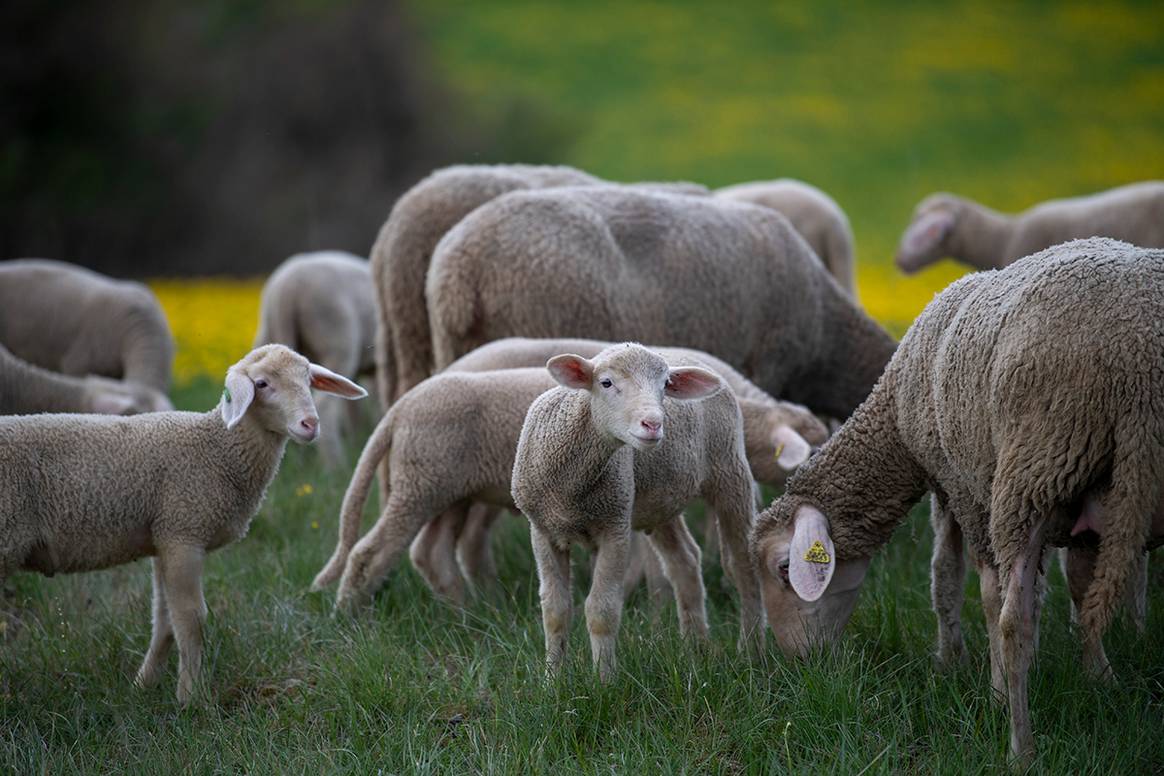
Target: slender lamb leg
163	633
182	580
1017	628
659	589
474	550
947	576
604	603
554	590
433	555
992	611
636	564
679	556
378	551
733	504
1080	569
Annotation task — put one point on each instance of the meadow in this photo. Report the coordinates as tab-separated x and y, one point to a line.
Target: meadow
878	105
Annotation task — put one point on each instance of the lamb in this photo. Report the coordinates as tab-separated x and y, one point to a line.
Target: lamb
778	436
592	464
948	225
26	389
323	306
813	214
97	325
1030	401
86	492
722	277
404	248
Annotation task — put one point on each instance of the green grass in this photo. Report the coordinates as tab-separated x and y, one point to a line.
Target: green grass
416	686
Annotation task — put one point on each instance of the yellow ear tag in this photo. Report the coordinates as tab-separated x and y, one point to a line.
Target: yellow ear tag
779	450
816	553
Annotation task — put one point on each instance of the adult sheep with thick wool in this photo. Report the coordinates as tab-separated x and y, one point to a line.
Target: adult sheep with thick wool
86	492
77	322
1030	400
727	278
27	390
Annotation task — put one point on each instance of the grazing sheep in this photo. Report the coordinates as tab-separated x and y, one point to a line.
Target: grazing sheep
1030	401
778	436
70	320
448	442
813	214
611	262
592	463
323	306
86	492
948	225
26	389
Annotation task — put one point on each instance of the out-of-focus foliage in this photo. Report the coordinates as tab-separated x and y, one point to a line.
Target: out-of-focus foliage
877	103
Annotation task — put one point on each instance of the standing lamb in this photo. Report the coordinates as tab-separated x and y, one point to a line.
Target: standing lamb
592	464
86	492
1031	402
26	390
813	214
778	437
323	306
70	320
728	278
948	225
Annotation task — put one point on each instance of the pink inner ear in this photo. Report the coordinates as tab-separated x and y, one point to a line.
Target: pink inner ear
811	556
570	370
925	233
322	379
692	383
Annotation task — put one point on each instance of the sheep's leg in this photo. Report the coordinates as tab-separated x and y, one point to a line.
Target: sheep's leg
680	559
331	430
433	555
554	589
711	547
636	564
182	580
378	551
604	603
163	633
992	611
474	551
659	589
1017	622
1136	598
1080	569
735	511
947	576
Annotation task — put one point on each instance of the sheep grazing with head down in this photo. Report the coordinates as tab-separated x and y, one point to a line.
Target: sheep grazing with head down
86	492
26	390
1030	400
946	225
322	305
98	325
619	445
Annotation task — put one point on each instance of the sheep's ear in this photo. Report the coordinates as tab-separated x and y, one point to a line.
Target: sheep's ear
811	556
791	448
926	233
236	397
112	404
692	382
325	380
571	371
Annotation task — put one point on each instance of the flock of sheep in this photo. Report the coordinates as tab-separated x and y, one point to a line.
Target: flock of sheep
1029	401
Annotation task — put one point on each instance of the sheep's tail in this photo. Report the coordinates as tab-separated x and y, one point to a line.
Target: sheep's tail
354	499
1128	507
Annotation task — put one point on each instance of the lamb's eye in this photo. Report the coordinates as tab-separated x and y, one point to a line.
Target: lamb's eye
605	382
260	383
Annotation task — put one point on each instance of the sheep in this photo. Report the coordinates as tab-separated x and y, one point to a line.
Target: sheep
449	441
97	325
26	389
1030	401
948	225
86	492
592	464
322	305
815	215
778	436
726	278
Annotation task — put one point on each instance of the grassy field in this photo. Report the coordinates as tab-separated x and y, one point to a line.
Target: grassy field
878	105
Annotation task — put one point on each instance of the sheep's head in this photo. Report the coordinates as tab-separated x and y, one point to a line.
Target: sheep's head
272	385
627	383
116	397
808	594
790	434
924	242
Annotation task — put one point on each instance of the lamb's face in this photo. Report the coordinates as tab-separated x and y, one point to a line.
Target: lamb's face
626	384
272	386
924	241
809	595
